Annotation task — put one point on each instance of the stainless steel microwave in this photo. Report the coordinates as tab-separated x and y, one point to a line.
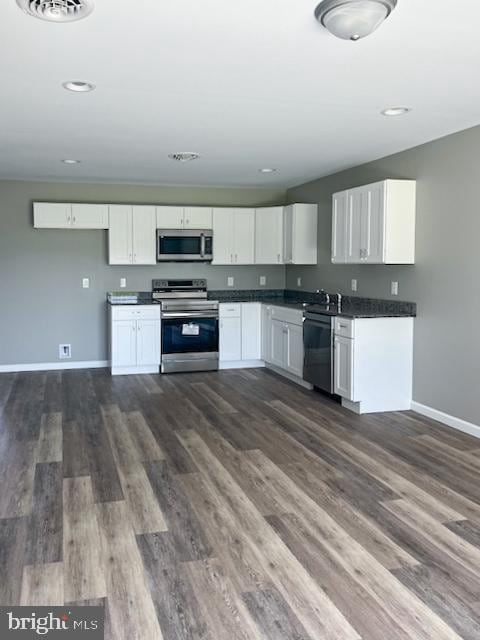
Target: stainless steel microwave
184	245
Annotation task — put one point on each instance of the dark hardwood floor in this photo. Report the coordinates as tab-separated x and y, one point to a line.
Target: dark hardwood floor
235	505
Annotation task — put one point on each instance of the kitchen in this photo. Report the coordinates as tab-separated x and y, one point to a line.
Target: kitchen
238	339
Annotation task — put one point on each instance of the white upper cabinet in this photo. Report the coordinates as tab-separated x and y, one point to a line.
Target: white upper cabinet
378	226
269	235
62	215
198	218
90	216
170	217
184	217
233	236
300	234
131	239
339	227
144	235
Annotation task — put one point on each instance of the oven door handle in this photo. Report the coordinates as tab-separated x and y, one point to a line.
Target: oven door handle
189	314
202	245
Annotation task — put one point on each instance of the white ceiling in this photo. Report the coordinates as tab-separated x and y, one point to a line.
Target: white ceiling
249	84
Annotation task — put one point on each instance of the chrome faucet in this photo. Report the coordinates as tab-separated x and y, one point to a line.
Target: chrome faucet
325	294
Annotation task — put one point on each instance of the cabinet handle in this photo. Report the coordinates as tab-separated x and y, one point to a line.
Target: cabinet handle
135	257
231	257
130	257
236	257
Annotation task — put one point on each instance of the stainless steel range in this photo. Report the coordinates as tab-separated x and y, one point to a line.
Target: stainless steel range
189	333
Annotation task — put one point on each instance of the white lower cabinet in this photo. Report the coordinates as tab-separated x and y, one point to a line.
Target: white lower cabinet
134	339
266	333
344	367
294	350
374	363
282	339
240	334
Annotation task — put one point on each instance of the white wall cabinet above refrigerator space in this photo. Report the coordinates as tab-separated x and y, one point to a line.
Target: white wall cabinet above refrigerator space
184	217
375	224
64	215
234	236
269	235
300	243
132	235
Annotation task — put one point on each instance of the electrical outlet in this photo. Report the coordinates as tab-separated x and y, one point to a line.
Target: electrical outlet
123	283
299	282
64	351
263	281
86	283
354	285
230	281
394	289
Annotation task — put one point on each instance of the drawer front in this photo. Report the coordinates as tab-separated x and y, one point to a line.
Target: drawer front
345	327
283	314
230	310
134	312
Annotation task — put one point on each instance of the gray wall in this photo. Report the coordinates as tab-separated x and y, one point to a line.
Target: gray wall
444	280
41	270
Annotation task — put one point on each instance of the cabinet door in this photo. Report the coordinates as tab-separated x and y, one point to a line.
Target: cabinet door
124	343
251	331
148	342
304	241
52	215
244	236
344	367
230	339
266	333
223	236
288	234
269	235
294	350
355	222
373	224
120	249
170	217
339	227
144	235
279	333
90	216
198	218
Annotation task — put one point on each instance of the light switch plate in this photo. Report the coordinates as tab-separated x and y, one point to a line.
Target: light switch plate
86	283
354	285
299	282
394	289
230	281
263	281
123	283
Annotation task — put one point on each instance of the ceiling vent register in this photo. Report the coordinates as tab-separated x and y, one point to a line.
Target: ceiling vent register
57	10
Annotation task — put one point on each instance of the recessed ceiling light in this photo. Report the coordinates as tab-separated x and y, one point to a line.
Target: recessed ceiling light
57	10
184	156
267	170
71	161
353	19
78	85
396	111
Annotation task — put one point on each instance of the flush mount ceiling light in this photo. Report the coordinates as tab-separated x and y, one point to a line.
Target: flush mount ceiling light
57	10
78	86
184	156
396	111
70	161
267	170
353	19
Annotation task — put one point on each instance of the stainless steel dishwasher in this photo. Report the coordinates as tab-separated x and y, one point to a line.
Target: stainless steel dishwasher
319	350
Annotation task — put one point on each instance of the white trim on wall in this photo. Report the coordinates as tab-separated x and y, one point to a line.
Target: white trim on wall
53	366
445	418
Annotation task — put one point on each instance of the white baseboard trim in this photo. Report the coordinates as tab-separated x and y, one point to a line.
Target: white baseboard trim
54	366
241	364
445	418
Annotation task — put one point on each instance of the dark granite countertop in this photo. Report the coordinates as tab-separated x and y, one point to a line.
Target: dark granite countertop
144	298
352	307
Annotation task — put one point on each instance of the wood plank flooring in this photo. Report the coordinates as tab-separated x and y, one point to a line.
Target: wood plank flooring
235	505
